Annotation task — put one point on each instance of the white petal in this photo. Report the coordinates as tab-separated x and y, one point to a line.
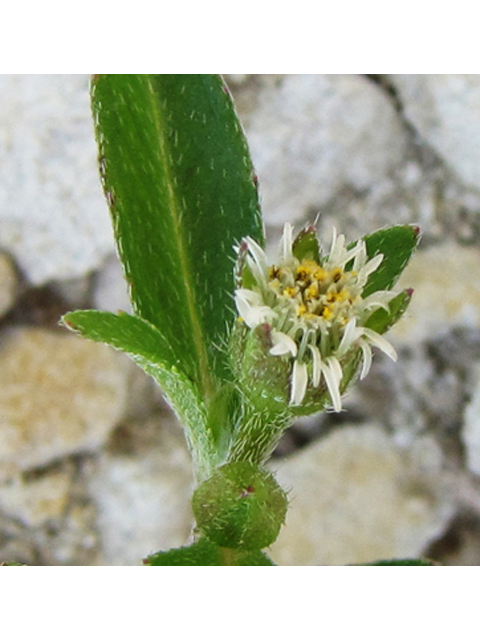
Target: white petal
336	369
258	254
337	250
299	382
371	266
378	341
332	372
258	315
282	344
250	297
361	256
258	273
367	359
348	255
287	241
250	308
350	334
317	369
377	300
245	299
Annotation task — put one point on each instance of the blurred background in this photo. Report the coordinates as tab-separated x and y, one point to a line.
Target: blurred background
93	466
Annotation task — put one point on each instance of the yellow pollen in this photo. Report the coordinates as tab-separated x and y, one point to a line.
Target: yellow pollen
289	291
274	272
301	310
338	296
319	274
303	271
311	291
336	274
327	313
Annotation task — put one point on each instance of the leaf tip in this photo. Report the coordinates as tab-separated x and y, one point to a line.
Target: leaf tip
417	232
67	323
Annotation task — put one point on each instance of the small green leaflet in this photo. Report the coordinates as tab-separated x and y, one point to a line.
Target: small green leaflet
403	562
206	554
397	244
149	349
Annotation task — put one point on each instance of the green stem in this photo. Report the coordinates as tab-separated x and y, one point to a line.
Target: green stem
257	435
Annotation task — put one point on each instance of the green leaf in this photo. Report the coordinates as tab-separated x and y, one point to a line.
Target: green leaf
407	562
397	245
381	320
130	334
148	348
182	192
206	554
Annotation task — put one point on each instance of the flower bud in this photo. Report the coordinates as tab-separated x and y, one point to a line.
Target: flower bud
241	506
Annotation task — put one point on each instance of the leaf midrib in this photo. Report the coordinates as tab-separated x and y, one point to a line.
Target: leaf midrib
205	381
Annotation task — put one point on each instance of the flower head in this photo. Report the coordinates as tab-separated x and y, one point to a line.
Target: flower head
315	307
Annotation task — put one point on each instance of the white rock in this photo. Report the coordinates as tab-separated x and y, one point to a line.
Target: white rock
355	498
53	217
312	135
471	427
59	394
37	501
110	291
445	109
143	495
8	284
446	284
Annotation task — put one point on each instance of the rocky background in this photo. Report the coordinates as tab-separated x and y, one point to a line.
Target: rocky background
93	466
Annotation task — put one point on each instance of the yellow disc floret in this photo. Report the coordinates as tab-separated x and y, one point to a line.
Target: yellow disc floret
316	294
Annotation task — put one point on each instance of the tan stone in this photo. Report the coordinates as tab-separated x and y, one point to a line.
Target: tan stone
142	491
59	394
471	426
8	284
446	283
37	501
355	498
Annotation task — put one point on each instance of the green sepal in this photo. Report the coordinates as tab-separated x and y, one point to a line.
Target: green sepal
397	244
207	554
306	246
262	378
381	320
149	349
182	192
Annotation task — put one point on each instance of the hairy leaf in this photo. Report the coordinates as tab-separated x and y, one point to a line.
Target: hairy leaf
182	192
397	245
381	320
206	554
149	349
404	562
